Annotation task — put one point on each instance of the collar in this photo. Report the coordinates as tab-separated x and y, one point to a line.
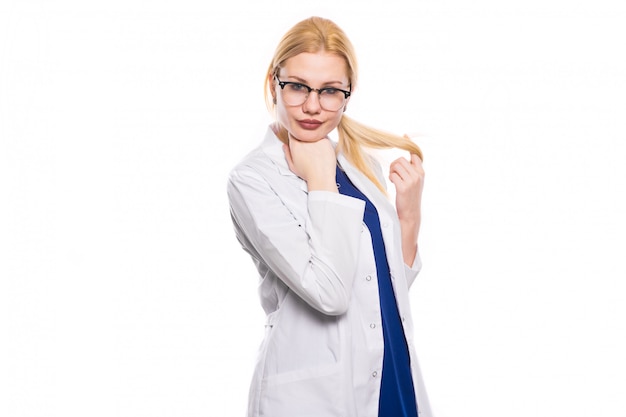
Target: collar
367	187
273	148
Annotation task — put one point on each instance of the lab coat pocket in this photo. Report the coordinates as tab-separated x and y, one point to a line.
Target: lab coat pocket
309	392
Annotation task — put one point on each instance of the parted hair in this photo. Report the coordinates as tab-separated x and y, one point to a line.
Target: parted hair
317	34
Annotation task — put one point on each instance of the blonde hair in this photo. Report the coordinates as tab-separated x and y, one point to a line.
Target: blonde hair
317	34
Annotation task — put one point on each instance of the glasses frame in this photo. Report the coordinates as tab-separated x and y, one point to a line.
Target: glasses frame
282	85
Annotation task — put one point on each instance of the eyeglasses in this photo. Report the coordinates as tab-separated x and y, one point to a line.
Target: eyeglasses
295	94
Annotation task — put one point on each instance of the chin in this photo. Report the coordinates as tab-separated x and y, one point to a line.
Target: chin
309	135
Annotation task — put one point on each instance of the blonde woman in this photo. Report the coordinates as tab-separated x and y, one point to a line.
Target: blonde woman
335	257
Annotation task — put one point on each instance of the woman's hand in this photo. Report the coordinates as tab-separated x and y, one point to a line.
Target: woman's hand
314	162
408	178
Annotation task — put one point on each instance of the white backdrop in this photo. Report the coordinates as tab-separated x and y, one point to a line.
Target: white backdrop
123	291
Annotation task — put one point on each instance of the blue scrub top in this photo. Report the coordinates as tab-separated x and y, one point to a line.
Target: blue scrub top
397	393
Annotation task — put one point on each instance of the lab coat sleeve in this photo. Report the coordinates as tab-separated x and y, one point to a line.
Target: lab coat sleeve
314	256
412	271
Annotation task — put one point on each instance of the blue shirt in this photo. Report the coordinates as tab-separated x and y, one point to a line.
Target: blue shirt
397	395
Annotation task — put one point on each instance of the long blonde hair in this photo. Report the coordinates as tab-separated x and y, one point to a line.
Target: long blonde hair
317	34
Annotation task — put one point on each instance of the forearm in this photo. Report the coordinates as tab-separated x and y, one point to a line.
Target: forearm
314	252
409	230
408	177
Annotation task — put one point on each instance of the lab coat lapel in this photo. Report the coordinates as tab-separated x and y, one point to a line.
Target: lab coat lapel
273	148
383	205
386	213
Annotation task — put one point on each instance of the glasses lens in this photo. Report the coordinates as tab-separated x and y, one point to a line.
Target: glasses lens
331	99
295	94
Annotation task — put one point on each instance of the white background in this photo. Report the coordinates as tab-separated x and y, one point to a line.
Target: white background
123	291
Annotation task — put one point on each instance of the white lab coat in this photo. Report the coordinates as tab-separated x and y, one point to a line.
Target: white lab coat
322	353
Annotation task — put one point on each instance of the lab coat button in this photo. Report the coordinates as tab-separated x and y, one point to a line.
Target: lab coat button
385	224
368	278
372	325
374	374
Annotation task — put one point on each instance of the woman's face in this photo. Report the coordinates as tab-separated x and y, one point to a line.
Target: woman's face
309	122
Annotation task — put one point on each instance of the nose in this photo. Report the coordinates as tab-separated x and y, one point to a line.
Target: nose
312	103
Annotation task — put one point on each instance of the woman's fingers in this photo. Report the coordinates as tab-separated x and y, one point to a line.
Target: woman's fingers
406	173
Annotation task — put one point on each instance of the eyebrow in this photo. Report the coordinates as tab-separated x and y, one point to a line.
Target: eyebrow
303	81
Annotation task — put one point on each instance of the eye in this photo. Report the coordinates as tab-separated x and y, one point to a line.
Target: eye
330	91
297	87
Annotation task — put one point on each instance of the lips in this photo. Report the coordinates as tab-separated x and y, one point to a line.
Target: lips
309	124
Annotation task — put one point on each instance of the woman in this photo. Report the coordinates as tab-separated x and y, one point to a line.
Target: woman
336	259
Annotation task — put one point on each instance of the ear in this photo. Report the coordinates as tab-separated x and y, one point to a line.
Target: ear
272	84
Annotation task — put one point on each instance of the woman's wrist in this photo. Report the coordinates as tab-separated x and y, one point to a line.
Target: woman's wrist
315	184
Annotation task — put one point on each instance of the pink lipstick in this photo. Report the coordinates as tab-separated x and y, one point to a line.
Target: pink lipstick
309	124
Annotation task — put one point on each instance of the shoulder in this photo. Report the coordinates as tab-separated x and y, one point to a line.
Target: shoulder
372	163
262	158
250	161
254	167
377	169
